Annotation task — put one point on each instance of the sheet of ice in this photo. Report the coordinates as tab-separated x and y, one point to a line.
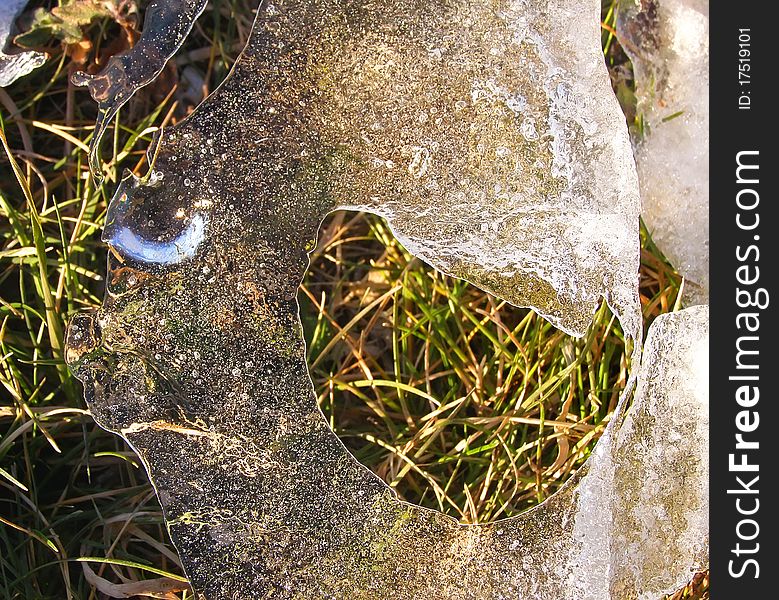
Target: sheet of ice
668	43
166	25
263	500
487	134
17	64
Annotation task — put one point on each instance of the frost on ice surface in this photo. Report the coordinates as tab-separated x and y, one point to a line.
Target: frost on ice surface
487	134
17	64
668	43
166	26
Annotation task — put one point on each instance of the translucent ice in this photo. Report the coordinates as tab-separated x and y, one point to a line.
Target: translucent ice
487	135
166	25
18	64
668	43
642	513
263	500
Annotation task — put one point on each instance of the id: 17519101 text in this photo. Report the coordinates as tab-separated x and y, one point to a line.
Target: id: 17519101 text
744	68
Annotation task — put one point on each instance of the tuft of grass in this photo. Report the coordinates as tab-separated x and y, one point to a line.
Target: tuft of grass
459	401
456	399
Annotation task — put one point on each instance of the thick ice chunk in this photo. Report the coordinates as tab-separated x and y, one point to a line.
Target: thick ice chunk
261	497
18	64
668	43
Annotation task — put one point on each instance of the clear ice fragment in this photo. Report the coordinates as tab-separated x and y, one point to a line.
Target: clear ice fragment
262	499
18	64
668	43
166	25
